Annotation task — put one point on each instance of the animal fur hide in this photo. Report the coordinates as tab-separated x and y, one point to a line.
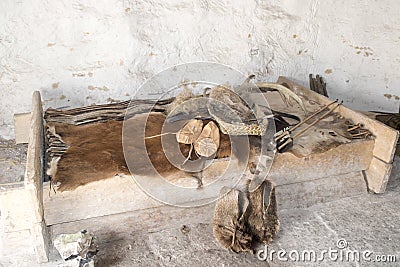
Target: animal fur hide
94	151
262	218
229	223
243	219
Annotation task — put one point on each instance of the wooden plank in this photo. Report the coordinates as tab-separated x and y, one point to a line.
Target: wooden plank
109	196
378	175
386	137
21	127
151	220
121	194
288	168
34	159
306	194
34	178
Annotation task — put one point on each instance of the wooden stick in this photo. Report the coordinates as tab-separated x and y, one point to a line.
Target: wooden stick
308	127
358	134
354	127
316	121
305	120
157	135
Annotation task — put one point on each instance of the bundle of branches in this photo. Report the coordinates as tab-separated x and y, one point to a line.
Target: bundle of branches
106	112
318	85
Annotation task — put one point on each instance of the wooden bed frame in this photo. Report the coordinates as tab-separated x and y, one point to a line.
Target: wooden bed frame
342	171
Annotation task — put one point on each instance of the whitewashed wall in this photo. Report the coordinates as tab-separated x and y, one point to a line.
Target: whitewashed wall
91	51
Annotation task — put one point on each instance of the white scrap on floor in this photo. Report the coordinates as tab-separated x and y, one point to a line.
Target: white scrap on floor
77	250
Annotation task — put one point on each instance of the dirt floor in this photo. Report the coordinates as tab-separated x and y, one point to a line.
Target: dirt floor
12	161
170	236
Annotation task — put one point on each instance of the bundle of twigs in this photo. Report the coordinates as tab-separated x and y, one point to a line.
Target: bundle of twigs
106	112
318	85
56	146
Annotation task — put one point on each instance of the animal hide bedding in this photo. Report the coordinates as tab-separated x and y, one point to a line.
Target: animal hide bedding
94	151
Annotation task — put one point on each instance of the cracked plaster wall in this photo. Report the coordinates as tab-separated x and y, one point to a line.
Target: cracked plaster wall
83	52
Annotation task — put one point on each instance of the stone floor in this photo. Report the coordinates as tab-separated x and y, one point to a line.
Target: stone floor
12	161
171	236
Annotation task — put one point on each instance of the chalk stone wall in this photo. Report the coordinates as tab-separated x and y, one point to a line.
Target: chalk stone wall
94	51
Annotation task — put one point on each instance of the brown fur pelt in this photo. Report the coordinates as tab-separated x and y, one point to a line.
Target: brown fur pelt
241	220
94	153
263	219
95	150
229	224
